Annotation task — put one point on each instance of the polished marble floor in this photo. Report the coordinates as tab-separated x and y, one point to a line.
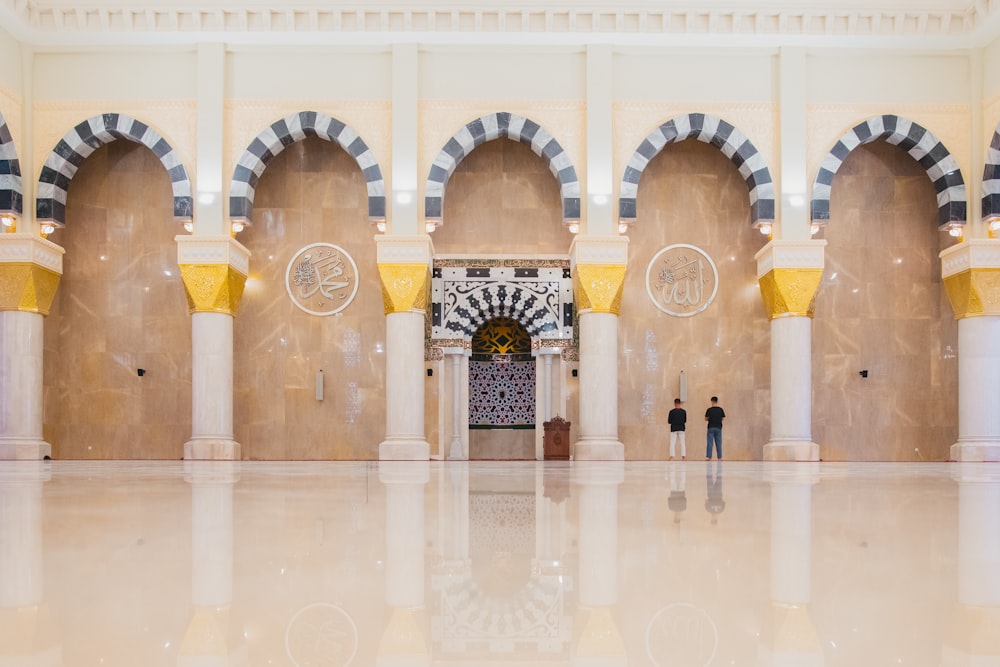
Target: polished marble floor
521	563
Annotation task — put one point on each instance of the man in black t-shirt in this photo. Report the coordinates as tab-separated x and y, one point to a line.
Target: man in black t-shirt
714	416
677	418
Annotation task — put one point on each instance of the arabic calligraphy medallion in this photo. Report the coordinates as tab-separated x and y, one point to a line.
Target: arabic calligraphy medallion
321	279
682	280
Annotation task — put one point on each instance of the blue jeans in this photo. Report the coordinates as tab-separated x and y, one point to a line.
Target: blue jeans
714	433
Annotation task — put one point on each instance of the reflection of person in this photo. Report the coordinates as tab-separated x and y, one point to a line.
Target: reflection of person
714	503
677	418
714	416
677	502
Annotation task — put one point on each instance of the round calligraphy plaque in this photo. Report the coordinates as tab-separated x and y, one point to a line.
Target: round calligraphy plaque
682	280
681	634
321	279
321	635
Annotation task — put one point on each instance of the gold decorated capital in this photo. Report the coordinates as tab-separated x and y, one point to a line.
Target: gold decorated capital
598	287
790	629
27	287
790	292
974	292
213	288
404	287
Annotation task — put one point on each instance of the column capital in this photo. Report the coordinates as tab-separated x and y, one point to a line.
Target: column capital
789	273
214	270
598	265
598	250
971	273
30	269
404	249
404	268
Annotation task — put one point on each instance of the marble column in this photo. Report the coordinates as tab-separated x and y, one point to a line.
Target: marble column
404	641
404	268
30	269
789	273
458	447
598	266
971	273
214	270
789	635
600	641
973	637
27	631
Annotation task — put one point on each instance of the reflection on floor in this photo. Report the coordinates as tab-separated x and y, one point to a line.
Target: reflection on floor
461	564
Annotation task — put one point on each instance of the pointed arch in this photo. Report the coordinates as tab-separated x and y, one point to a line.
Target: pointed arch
287	131
919	143
513	127
991	180
11	190
711	130
65	159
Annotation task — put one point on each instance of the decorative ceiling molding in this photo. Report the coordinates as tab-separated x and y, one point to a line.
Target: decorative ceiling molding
583	20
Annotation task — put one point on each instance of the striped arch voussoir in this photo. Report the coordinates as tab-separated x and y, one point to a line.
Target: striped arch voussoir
513	127
991	180
11	190
65	159
287	131
920	144
501	299
712	130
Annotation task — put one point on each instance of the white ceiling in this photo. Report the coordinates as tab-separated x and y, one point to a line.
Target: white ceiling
900	23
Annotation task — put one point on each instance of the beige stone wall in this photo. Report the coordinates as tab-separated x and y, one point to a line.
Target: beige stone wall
691	193
881	307
311	192
120	306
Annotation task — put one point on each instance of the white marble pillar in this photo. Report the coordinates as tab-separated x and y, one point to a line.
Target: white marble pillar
404	641
214	270
598	266
404	269
30	268
789	273
457	449
970	270
596	487
789	635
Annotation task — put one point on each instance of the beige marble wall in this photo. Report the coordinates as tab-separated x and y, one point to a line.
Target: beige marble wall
311	192
691	193
881	307
120	307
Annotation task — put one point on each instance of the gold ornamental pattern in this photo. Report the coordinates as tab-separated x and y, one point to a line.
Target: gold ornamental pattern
321	279
27	287
790	292
974	292
598	287
213	288
404	287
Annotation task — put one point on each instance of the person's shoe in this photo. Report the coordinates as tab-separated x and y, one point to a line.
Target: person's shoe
671	458
684	458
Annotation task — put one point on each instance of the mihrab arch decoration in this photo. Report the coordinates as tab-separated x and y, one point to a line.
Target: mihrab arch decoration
490	127
991	180
919	143
65	159
11	191
287	131
710	130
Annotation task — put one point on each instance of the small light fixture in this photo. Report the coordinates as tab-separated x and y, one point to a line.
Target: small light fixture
8	222
813	229
955	231
429	227
622	227
380	226
189	227
765	229
994	226
574	227
46	228
238	226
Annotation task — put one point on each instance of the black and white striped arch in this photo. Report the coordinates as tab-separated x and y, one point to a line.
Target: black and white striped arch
490	127
919	143
463	299
991	180
711	130
65	159
287	131
11	192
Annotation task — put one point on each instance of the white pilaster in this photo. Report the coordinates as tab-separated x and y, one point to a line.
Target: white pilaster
793	90
457	449
600	131
403	205
209	200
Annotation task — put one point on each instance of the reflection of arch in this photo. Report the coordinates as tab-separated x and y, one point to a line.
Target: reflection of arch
490	127
711	130
991	180
287	131
62	164
10	171
919	143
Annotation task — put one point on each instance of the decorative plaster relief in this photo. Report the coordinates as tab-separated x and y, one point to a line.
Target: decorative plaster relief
322	279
